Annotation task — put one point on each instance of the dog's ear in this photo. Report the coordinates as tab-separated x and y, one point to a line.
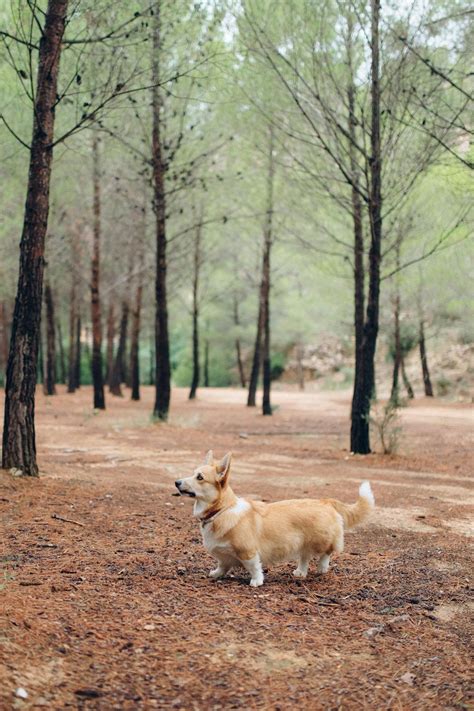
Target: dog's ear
223	468
209	459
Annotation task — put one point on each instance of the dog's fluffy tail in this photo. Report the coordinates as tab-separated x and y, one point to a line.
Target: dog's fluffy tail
353	514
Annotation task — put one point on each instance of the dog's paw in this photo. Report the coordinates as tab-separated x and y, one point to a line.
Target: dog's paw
216	574
256	582
300	573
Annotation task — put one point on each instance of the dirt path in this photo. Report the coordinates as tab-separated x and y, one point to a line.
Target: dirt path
113	608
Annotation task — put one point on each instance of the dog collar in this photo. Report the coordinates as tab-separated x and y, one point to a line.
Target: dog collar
209	519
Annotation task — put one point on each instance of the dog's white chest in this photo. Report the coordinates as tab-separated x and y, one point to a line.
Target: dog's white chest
211	541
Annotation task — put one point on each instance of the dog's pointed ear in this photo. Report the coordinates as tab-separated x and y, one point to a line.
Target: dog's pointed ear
223	468
209	459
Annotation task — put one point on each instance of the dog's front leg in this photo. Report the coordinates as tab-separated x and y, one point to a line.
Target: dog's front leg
254	566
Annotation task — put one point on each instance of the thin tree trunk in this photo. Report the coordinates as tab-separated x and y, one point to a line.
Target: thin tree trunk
299	361
197	266
96	365
78	353
162	354
41	363
117	378
364	390
109	359
206	363
424	361
253	381
19	444
50	379
397	354
406	381
238	350
135	342
71	383
62	355
266	284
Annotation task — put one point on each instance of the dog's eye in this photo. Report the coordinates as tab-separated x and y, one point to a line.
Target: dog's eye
199	477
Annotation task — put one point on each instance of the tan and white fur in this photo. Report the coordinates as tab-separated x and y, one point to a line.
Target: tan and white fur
252	534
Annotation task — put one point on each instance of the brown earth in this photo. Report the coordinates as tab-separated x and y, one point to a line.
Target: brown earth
112	609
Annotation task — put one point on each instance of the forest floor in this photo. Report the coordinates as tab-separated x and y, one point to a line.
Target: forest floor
112	608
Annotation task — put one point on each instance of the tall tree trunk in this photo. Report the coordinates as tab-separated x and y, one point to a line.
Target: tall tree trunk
196	270
62	355
117	377
41	363
299	361
50	379
206	363
19	444
406	381
3	339
364	390
422	340
109	358
78	354
397	352
268	238
135	341
253	381
424	361
238	350
162	352
71	381
96	365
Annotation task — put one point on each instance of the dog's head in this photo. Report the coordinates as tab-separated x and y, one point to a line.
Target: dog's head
208	480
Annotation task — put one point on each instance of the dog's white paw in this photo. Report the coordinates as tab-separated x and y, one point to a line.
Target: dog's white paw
216	574
300	573
256	582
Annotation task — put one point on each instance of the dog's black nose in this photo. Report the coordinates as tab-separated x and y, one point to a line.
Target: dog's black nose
177	483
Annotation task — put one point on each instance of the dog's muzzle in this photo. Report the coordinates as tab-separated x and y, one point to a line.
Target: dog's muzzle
184	492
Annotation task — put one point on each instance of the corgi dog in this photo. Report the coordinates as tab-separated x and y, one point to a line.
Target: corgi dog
252	534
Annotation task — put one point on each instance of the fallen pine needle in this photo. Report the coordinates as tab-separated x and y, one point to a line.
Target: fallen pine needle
67	520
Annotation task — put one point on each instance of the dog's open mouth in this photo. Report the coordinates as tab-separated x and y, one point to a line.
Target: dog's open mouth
183	492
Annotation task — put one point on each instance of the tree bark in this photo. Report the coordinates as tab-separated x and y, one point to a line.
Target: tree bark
406	381
299	361
117	377
109	358
162	354
364	388
62	355
253	381
50	372
19	444
71	383
424	360
96	364
397	353
196	270
238	350
266	284
78	354
3	340
135	342
206	363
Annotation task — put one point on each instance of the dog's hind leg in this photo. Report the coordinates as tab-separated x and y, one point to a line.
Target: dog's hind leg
223	567
323	565
303	564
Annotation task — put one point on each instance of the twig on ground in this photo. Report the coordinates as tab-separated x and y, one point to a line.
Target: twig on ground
67	520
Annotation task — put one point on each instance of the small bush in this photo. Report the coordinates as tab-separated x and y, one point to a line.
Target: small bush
385	422
443	385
